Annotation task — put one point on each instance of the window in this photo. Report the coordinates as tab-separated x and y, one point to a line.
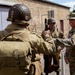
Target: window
62	25
51	14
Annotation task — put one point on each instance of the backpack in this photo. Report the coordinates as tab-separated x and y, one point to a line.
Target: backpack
14	52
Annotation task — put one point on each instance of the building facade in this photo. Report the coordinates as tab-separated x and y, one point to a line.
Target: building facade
41	10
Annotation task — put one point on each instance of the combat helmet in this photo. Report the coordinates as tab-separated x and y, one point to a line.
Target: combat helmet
19	12
72	14
51	20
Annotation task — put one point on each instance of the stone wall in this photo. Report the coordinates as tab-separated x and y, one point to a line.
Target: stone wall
39	11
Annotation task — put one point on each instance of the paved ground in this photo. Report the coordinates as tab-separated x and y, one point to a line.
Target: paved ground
64	66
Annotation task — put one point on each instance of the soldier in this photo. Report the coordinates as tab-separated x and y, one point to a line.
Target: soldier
70	51
55	33
18	34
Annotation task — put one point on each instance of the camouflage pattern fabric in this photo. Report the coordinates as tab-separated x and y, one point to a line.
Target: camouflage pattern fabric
56	55
70	52
38	45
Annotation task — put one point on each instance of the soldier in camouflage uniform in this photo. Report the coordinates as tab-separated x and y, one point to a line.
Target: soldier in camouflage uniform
17	32
70	51
53	32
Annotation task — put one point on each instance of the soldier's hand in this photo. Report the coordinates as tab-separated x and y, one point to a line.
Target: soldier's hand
66	60
63	42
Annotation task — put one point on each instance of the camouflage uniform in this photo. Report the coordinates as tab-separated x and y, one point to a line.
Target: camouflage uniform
56	56
52	33
18	32
70	53
38	46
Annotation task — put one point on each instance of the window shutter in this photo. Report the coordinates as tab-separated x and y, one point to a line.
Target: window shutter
51	14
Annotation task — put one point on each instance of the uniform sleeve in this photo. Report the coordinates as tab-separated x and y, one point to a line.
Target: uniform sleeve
41	46
46	47
73	39
61	35
68	49
67	52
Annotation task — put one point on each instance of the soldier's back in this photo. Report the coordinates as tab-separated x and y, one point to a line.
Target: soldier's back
11	71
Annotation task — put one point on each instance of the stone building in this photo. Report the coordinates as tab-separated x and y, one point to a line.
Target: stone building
40	10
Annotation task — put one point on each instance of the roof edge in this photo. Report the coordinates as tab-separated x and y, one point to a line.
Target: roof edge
8	3
54	3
